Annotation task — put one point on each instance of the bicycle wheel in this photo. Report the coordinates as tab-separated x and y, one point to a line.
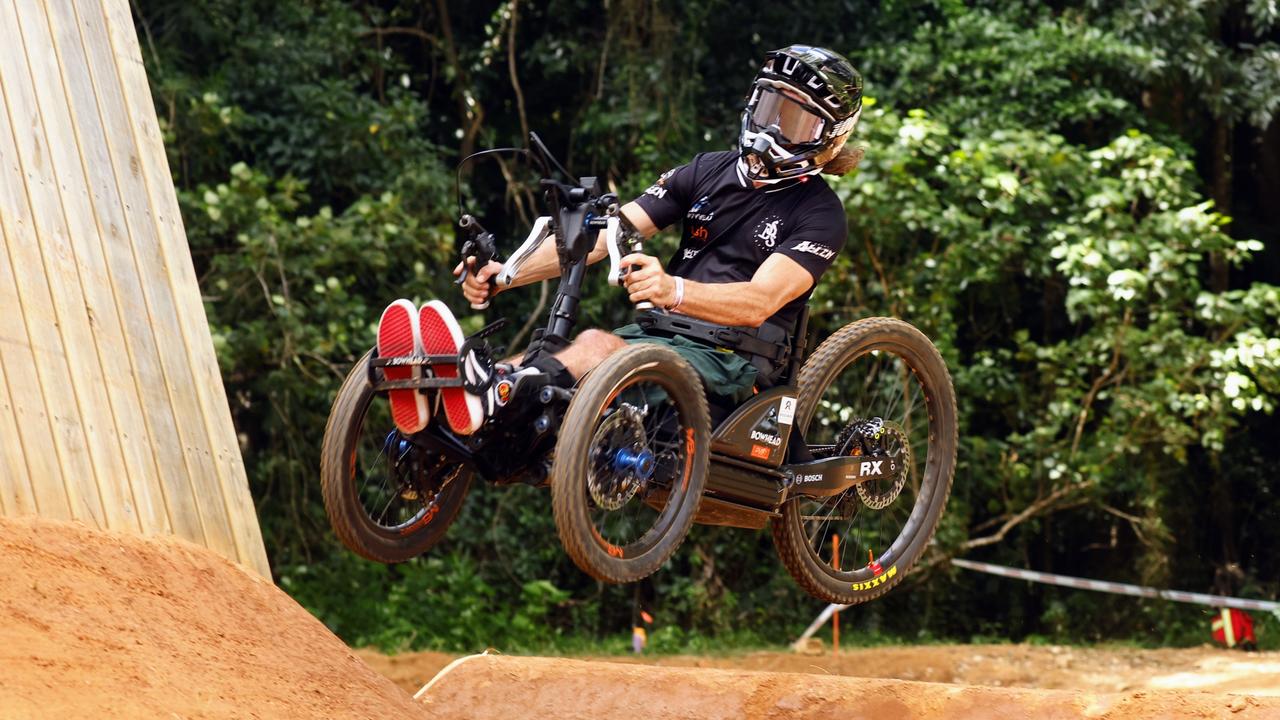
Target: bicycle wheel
631	463
877	387
389	499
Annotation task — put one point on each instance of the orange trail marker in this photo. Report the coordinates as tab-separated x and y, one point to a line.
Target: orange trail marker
835	616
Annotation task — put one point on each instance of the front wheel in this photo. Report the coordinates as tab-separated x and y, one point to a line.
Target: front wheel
389	498
631	463
878	387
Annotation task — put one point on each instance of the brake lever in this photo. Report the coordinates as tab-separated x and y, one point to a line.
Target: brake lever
483	247
616	273
541	230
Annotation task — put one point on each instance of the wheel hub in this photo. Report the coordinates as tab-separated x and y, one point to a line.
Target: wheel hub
419	476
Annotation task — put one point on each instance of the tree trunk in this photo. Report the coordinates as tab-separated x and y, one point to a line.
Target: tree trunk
1220	189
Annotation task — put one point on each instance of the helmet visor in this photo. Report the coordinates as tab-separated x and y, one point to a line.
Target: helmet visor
793	123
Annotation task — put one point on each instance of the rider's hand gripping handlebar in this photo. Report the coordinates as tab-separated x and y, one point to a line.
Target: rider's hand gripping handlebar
613	229
481	246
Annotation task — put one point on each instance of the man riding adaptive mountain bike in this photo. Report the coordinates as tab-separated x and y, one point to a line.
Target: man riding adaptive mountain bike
857	441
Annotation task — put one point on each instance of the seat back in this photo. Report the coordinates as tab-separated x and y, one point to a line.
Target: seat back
786	372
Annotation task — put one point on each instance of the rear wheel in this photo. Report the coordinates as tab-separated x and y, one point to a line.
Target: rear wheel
631	463
389	498
878	387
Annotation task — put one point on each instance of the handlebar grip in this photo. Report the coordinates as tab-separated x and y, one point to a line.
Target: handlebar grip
615	254
616	273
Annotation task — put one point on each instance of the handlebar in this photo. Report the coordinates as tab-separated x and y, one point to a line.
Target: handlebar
542	229
578	210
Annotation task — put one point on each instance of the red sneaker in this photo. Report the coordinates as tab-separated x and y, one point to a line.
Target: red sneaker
442	336
398	336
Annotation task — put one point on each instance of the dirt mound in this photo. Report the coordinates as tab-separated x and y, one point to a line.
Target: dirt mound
1101	669
103	625
501	687
409	670
99	625
1052	667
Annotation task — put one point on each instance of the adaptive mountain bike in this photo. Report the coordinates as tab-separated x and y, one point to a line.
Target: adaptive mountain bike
846	453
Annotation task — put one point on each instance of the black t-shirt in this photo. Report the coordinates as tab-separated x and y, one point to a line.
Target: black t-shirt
730	227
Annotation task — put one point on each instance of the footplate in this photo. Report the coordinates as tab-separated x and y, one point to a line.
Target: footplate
475	351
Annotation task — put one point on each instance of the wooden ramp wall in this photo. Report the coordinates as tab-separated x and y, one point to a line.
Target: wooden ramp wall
112	409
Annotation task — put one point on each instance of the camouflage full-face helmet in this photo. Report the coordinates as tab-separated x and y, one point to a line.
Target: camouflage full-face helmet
804	103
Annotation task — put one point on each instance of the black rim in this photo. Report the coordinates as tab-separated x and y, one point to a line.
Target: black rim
639	462
875	523
399	484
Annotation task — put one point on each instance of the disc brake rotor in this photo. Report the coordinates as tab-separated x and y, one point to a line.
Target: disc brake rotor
621	461
894	443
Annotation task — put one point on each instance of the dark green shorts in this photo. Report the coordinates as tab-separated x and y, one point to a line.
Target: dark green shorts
724	372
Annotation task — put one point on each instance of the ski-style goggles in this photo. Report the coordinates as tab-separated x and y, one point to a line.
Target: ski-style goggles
788	120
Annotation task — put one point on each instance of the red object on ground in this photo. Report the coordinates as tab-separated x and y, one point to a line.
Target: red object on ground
1232	627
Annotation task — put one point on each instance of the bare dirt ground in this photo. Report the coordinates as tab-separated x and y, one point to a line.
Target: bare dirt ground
97	625
1093	670
503	687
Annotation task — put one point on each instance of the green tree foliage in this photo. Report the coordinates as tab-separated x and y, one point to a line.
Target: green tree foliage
1036	196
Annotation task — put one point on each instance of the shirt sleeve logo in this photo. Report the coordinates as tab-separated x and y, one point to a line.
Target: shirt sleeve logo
813	248
658	189
767	233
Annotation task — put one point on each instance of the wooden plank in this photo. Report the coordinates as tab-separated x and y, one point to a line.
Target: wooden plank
169	408
224	448
160	374
16	498
110	278
228	526
49	156
39	376
15	476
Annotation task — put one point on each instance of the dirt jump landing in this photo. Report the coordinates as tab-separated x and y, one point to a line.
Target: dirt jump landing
503	688
98	625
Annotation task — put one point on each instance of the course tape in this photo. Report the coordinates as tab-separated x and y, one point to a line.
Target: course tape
1116	588
447	669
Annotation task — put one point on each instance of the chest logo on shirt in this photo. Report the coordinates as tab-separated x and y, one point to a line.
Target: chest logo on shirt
700	210
767	233
699	235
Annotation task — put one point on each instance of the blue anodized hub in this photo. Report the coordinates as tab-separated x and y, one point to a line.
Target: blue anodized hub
638	464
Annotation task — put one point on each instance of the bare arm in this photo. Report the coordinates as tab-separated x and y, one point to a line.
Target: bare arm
778	281
544	263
